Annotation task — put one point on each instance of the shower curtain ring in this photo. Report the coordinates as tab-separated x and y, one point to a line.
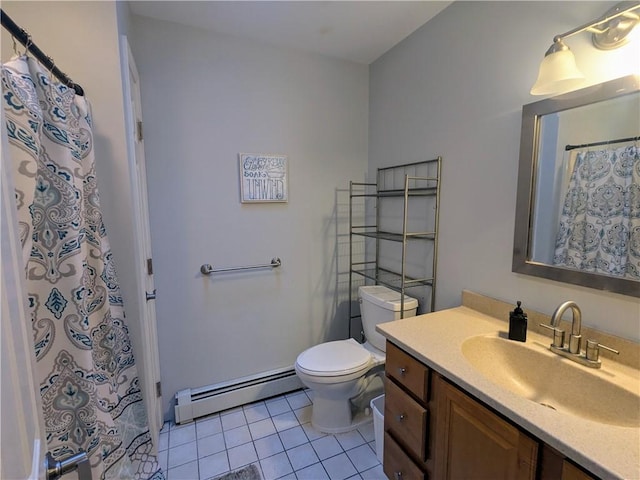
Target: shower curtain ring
52	65
28	43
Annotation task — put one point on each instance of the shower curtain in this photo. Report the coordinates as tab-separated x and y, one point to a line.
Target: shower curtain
600	222
85	364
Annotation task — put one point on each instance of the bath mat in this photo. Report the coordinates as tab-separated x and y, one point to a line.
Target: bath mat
250	472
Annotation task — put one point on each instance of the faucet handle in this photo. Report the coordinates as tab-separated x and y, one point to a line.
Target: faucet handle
593	350
558	335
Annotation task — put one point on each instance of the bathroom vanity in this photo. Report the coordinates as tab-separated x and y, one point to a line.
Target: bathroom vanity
446	417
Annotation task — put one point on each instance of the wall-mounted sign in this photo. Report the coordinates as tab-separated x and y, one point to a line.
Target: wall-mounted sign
263	178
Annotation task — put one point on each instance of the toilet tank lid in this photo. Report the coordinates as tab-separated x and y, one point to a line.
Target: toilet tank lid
386	298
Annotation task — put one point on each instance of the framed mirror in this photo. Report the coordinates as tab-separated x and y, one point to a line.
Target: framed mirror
562	138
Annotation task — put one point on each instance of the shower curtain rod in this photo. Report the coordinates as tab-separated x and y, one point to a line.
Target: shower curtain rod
47	62
605	142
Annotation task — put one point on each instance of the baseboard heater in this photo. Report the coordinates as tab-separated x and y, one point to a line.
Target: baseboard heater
192	403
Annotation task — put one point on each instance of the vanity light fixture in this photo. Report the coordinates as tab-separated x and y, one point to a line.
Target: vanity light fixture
558	71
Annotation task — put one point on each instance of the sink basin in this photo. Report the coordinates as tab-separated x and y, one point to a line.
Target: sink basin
531	371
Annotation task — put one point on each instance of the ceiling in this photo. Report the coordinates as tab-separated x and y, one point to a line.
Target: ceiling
359	31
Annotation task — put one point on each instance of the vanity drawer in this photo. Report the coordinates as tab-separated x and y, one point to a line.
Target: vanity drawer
408	372
405	419
397	465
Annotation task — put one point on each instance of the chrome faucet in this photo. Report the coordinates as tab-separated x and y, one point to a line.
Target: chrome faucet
576	324
572	350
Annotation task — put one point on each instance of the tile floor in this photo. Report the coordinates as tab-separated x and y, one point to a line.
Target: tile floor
276	435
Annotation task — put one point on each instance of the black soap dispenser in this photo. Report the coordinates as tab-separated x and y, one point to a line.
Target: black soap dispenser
518	324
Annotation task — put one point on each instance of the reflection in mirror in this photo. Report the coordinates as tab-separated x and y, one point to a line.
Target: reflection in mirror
578	207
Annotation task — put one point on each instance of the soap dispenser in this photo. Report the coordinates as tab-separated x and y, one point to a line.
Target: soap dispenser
518	324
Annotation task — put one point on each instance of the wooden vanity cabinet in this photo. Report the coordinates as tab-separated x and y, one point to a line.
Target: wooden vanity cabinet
434	430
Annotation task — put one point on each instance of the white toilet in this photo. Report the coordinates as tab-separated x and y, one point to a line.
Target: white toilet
339	372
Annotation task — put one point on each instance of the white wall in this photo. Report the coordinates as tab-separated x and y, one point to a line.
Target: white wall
456	88
206	98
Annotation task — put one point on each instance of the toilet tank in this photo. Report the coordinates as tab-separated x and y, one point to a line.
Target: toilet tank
380	304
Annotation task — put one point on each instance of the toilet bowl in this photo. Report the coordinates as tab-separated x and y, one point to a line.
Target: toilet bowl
340	372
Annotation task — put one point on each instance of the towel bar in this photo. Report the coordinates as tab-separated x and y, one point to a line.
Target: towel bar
207	269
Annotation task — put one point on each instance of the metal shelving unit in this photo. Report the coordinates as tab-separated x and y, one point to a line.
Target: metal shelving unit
416	188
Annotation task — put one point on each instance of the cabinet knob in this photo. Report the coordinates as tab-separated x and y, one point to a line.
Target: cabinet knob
401	417
402	371
398	475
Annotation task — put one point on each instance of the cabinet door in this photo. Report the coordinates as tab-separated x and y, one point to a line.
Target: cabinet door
554	466
571	472
475	443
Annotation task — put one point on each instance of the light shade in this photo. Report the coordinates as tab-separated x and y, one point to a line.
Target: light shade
558	73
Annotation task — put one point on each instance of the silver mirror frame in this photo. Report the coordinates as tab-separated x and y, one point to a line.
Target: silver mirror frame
529	141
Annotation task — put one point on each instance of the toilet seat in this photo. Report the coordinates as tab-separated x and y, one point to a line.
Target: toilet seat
334	359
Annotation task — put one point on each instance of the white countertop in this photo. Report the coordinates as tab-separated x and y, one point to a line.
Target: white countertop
607	451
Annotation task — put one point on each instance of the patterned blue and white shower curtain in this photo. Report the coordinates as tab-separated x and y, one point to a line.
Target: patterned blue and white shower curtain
600	223
88	379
